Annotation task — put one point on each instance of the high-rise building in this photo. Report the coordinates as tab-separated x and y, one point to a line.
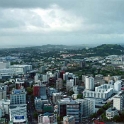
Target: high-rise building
18	96
19	83
3	93
59	84
69	84
39	90
18	106
71	108
118	102
117	86
89	83
56	97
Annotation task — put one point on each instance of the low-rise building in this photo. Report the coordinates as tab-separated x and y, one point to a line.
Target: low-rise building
68	120
111	112
18	113
47	118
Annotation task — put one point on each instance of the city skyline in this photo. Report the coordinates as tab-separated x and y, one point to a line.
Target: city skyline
61	22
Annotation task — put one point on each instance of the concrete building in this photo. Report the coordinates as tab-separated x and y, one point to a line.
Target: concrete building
117	86
44	78
71	108
18	96
39	90
51	91
118	103
36	78
89	83
5	103
103	92
56	97
47	118
87	107
39	104
6	73
18	106
21	69
68	76
76	80
18	113
4	65
2	94
42	69
19	83
2	111
111	112
68	120
69	84
59	84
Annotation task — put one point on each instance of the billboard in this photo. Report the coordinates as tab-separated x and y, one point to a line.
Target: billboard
19	117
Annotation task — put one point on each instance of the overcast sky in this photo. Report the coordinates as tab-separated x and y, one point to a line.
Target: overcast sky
37	22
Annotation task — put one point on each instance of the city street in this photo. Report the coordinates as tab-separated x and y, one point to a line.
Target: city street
30	111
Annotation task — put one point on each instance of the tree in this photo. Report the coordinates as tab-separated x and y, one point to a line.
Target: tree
35	115
29	90
79	96
116	118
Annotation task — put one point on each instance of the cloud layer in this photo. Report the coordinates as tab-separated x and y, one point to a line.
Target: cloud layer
61	22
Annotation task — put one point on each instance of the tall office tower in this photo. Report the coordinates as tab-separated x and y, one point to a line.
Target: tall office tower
70	108
82	63
3	93
69	84
59	84
36	78
18	106
76	79
118	103
83	78
56	97
57	74
18	96
89	83
87	107
117	86
39	90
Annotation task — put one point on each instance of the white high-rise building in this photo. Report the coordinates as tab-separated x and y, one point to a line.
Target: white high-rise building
118	102
117	86
44	78
89	83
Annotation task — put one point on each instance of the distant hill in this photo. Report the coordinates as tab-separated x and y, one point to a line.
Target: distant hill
108	49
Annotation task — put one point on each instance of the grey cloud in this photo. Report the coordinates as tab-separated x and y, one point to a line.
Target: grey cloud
103	21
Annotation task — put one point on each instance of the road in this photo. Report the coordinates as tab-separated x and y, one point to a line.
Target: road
30	111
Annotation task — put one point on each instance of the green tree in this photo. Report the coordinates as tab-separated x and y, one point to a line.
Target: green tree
29	90
79	96
35	115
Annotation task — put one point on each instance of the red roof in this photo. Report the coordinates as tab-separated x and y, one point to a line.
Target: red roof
98	122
